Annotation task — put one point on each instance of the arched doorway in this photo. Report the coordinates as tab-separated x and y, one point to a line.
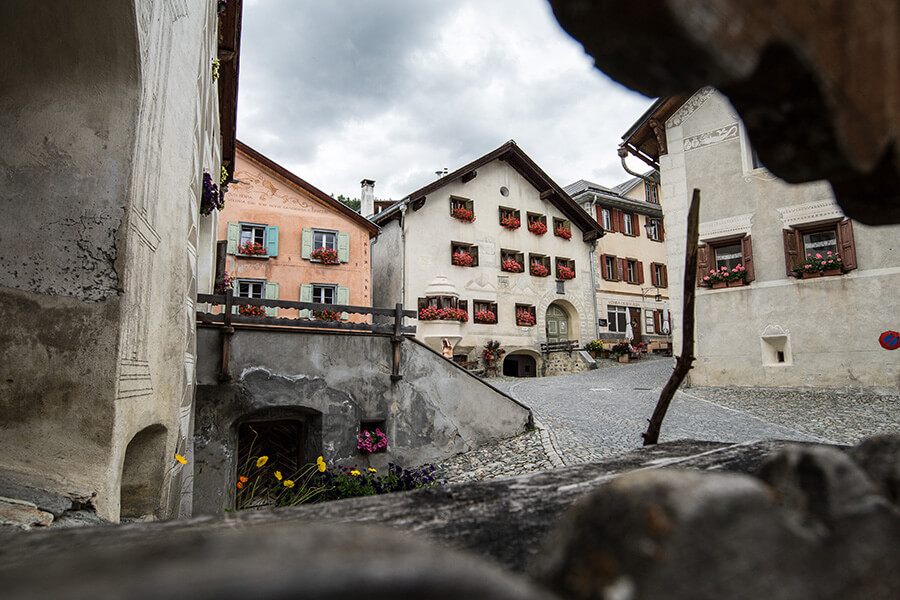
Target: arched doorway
143	471
557	324
520	365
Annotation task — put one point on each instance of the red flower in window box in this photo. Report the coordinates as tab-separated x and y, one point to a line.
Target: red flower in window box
327	315
511	265
252	249
251	311
433	313
537	228
830	261
563	233
327	255
524	318
564	272
510	223
539	270
462	259
485	316
462	214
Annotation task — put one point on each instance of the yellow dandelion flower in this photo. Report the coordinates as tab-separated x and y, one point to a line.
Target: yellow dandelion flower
181	459
354	472
278	475
321	466
288	483
319	460
371	470
261	461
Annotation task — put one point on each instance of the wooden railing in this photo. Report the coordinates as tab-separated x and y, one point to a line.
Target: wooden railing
391	325
567	346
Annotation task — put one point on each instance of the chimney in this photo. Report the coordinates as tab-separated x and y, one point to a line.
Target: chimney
367	198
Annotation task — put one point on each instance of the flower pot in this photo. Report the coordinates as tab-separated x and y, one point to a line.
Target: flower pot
812	275
719	285
593	353
831	272
623	358
736	283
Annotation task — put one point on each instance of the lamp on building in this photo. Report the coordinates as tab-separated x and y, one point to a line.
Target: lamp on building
652	226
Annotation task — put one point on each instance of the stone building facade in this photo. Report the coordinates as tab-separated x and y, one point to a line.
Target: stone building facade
776	329
510	284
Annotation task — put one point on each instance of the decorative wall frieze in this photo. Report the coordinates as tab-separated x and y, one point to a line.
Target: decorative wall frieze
690	107
737	225
821	210
711	138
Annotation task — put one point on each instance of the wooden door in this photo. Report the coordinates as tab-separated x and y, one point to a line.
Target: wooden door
636	324
557	325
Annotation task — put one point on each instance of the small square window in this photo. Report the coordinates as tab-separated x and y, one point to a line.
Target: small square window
324	239
565	268
538	265
651	193
323	294
509	218
463	255
512	261
250	288
525	315
562	228
462	209
537	223
484	312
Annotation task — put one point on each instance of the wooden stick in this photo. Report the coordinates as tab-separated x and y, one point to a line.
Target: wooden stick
683	364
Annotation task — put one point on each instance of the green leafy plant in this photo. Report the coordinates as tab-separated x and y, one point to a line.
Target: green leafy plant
594	346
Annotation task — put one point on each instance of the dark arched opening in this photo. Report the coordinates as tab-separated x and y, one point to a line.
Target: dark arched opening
143	471
520	365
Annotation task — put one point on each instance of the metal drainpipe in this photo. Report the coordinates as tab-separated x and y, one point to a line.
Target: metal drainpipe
403	255
623	154
594	275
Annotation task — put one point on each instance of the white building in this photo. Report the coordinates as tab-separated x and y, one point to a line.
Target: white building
413	260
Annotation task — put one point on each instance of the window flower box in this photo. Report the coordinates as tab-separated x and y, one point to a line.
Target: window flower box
715	277
325	255
510	223
485	316
462	259
817	265
539	270
252	249
719	285
433	313
463	214
511	265
251	311
327	315
564	272
537	228
811	274
524	318
563	233
370	442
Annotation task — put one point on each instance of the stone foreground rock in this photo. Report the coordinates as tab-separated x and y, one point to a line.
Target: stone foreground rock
818	526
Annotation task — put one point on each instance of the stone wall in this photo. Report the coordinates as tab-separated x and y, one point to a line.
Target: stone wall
563	363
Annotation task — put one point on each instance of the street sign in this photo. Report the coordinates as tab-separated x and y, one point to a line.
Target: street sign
889	340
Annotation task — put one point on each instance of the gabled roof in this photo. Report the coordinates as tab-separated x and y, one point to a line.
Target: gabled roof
527	168
643	137
308	188
607	197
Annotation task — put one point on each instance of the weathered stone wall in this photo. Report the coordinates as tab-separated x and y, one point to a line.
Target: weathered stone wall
563	363
330	382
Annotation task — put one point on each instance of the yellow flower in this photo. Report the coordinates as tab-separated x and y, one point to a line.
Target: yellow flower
321	466
371	470
181	459
261	461
278	475
288	483
354	472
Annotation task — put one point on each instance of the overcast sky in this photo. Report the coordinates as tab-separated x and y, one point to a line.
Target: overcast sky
393	90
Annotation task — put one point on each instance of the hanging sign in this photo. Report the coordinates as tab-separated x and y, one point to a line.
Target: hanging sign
889	340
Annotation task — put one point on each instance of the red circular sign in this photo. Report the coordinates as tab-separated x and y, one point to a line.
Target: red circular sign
889	340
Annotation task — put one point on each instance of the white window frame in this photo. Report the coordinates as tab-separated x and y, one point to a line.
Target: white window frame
653	232
249	231
627	223
651	193
325	238
250	283
617	310
319	289
606	218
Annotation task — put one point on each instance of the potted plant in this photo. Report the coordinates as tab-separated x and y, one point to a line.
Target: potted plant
620	351
462	258
463	214
595	348
491	353
564	272
539	270
212	197
563	233
524	318
249	248
735	277
818	265
511	265
370	442
327	256
510	222
485	316
537	228
716	278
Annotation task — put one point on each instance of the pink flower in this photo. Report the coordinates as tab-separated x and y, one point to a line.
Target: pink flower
818	255
706	278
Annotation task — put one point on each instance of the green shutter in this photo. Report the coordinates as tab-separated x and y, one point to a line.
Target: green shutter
234	233
272	240
271	293
234	286
306	242
305	296
343	247
343	297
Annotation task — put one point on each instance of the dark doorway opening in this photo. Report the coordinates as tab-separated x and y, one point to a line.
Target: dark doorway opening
520	365
280	441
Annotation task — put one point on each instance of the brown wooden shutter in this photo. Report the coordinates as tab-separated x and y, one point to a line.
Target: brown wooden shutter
662	231
640	271
657	318
665	276
847	244
635	225
604	259
572	264
653	280
747	249
791	250
621	271
423	302
702	262
464	305
474	252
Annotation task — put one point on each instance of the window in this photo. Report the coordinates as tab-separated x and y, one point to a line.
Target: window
617	317
462	209
608	264
538	265
562	228
805	241
313	239
655	229
659	275
726	253
633	270
252	239
537	223
324	239
377	431
463	255
651	192
525	315
250	288
565	268
512	261
606	219
484	311
256	288
659	323
628	223
323	294
509	218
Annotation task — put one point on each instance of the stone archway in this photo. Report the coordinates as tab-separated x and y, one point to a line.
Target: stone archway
143	471
520	365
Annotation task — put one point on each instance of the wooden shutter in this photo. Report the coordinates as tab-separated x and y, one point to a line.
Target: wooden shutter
640	271
272	240
747	249
847	244
474	251
231	237
604	260
791	250
343	298
657	318
572	265
343	244
306	242
614	215
653	278
463	305
662	231
665	276
702	262
271	293
621	270
306	291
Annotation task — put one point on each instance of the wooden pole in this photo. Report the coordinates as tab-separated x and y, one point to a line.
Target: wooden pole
683	364
395	342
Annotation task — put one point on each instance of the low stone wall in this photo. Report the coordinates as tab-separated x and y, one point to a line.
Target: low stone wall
330	382
565	363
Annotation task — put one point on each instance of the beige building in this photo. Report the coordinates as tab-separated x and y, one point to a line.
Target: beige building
110	117
502	245
772	326
630	261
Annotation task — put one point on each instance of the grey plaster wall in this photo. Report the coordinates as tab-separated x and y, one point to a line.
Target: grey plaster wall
386	266
331	382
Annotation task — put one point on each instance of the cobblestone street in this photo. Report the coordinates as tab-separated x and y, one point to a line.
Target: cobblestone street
588	416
